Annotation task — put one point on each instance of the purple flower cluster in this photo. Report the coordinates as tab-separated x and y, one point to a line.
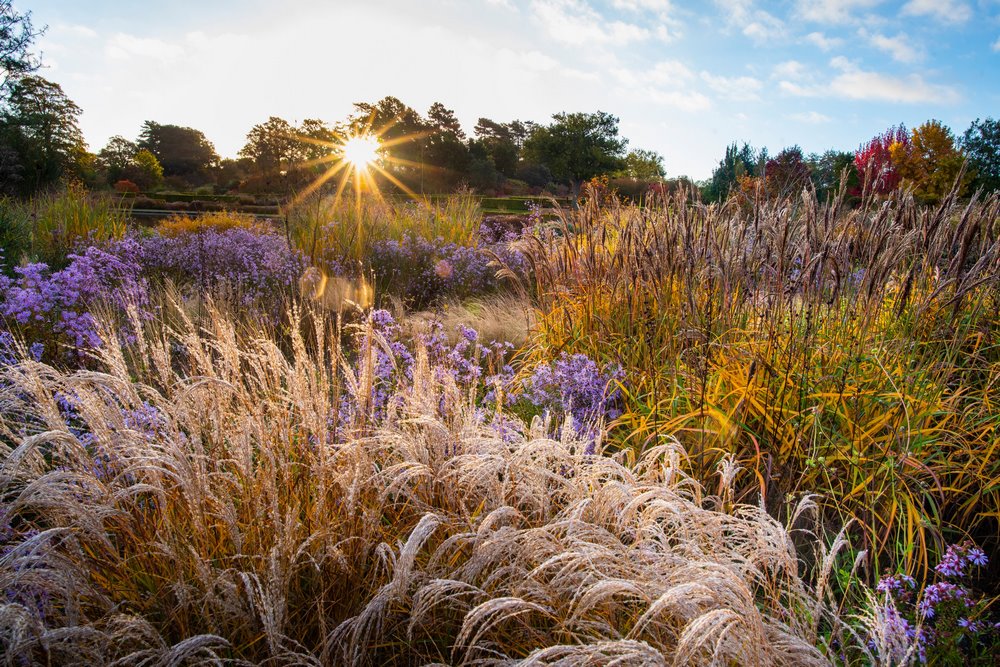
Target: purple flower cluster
942	591
958	557
253	264
43	304
942	618
468	363
574	384
423	271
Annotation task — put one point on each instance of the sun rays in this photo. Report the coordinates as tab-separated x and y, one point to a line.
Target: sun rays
357	157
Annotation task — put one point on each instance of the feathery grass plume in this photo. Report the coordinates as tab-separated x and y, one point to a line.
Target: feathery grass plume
847	352
195	499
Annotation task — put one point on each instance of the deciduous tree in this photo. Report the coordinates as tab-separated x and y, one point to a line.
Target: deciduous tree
39	123
643	165
786	173
873	160
930	162
182	151
16	37
578	146
116	156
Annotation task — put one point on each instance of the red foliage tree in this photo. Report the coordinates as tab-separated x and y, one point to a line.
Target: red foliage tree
873	161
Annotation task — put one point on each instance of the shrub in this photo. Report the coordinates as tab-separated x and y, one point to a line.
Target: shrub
124	186
177	225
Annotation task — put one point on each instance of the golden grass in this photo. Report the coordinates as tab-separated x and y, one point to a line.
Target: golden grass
243	525
851	353
220	221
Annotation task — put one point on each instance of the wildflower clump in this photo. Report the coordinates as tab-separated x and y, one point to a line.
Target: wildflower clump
944	622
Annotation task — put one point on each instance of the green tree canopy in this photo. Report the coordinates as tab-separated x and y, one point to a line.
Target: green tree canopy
402	131
981	143
117	156
144	170
272	145
736	163
829	171
39	125
578	146
182	151
643	165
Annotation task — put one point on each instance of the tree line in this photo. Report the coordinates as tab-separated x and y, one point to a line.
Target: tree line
41	144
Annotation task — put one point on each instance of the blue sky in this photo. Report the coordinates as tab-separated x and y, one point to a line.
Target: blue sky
685	79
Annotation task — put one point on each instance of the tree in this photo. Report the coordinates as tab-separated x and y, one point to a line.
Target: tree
315	141
643	165
144	170
117	156
182	151
39	124
446	151
735	165
981	143
930	162
16	37
271	145
502	142
829	171
402	130
873	160
578	146
786	173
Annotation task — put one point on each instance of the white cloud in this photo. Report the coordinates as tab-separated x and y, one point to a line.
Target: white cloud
790	69
949	11
679	99
66	29
823	42
754	23
506	4
122	46
576	23
853	83
901	47
810	117
666	83
996	46
641	5
734	88
832	11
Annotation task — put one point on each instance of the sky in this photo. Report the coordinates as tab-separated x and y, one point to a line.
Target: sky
685	78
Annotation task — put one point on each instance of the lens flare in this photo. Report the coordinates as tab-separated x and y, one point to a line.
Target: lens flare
361	150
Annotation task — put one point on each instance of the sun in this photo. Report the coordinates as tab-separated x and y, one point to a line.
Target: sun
361	150
357	158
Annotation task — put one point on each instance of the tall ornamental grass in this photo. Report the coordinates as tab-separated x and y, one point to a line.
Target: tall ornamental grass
197	498
66	221
847	352
346	229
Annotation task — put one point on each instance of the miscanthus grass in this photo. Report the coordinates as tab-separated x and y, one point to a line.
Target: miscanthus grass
850	352
196	498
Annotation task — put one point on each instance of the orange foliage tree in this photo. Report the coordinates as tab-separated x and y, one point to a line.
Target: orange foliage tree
930	162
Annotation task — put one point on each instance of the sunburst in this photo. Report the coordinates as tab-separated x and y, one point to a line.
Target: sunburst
356	158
